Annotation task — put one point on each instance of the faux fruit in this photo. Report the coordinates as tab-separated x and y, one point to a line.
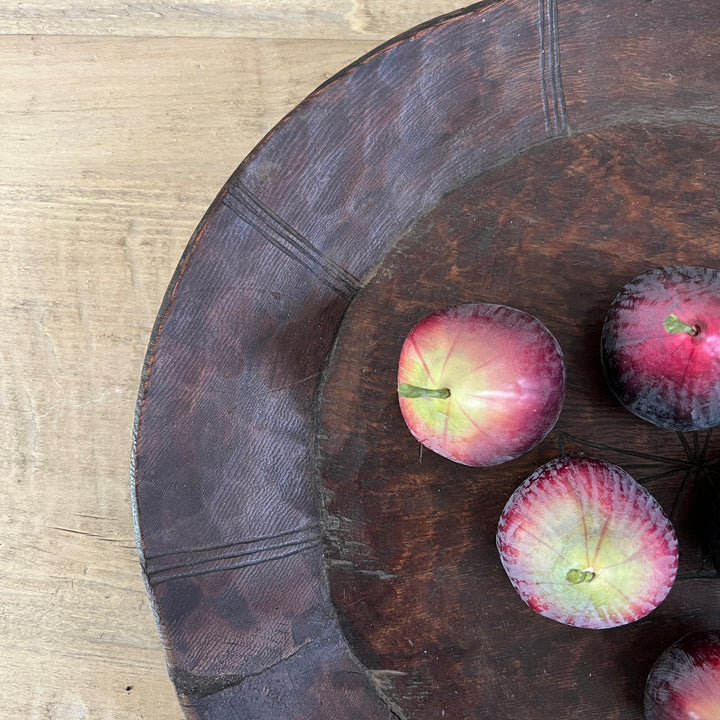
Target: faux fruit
684	682
661	347
480	384
584	544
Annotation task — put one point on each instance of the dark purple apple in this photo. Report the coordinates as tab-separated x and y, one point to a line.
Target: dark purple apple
480	384
684	682
661	347
584	544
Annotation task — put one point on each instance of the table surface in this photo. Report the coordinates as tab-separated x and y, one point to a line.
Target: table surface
120	123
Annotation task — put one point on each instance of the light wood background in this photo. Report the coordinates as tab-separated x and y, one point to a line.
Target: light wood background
119	122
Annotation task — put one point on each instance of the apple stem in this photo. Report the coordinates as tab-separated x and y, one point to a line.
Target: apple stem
575	576
673	324
412	391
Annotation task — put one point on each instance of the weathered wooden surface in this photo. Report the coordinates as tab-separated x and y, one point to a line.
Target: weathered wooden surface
414	571
361	20
119	124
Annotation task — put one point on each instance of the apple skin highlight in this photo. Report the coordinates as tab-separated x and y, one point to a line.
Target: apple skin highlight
684	682
586	545
664	374
496	378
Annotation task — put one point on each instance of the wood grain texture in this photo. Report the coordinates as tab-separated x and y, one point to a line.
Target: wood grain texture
120	123
413	567
301	19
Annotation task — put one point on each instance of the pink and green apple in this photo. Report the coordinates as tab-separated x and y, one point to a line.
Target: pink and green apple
684	682
480	384
661	347
586	545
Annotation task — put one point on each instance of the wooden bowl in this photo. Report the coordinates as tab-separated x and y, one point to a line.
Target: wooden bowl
304	559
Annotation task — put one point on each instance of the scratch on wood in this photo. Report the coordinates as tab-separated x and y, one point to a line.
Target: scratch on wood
296	382
243	553
34	431
251	210
380	574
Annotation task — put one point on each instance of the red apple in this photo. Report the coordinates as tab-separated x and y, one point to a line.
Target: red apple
661	347
480	384
684	682
586	545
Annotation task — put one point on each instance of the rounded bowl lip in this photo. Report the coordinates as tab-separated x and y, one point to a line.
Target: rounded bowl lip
153	523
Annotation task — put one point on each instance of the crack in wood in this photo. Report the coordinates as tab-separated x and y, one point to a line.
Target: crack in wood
200	686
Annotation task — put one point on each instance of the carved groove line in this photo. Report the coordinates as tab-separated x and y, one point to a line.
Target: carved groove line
553	97
285	238
231	556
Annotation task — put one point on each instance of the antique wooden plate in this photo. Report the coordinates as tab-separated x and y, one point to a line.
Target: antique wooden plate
304	560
